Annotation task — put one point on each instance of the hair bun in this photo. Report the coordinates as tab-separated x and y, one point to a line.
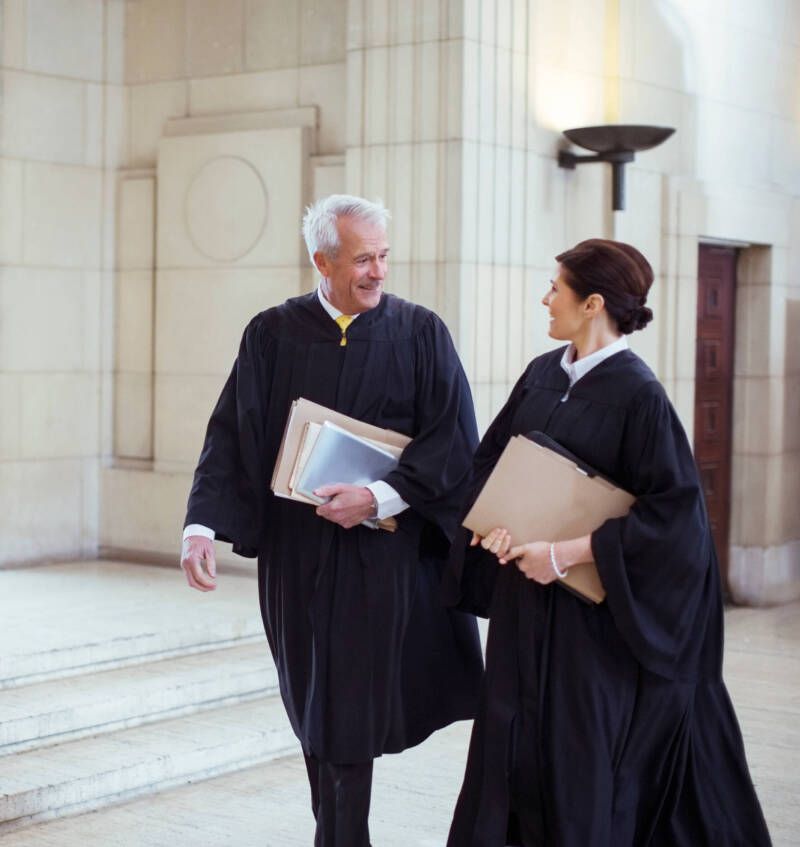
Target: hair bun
637	318
642	316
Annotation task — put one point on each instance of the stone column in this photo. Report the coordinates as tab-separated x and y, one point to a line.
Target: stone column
61	116
765	524
451	122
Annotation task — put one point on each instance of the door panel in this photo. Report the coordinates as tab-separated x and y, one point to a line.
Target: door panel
716	291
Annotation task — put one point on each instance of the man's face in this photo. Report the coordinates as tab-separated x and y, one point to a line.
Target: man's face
353	281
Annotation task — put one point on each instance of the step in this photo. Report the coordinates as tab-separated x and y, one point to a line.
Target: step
413	798
93	772
85	616
61	710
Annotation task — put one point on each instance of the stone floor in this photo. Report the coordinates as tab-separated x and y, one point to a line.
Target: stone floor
267	805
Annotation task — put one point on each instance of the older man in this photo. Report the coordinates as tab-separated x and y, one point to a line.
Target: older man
368	660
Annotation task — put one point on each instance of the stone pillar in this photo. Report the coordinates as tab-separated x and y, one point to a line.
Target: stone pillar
451	122
765	518
61	118
405	136
133	318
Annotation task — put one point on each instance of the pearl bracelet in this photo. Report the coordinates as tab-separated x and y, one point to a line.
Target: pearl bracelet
560	574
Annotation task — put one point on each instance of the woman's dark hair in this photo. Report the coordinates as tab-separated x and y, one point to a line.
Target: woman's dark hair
615	270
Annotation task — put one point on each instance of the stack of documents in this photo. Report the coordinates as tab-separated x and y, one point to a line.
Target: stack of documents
540	494
322	447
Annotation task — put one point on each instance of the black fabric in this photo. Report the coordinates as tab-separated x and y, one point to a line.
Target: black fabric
368	661
605	725
340	798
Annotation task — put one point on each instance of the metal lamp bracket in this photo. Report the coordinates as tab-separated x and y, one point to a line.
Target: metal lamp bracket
615	144
616	160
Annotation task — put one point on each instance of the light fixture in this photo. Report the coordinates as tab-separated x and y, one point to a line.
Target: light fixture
614	143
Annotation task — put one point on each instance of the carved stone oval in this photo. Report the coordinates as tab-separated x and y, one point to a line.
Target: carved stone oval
226	208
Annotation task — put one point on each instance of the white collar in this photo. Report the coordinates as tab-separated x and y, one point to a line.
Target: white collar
329	307
575	370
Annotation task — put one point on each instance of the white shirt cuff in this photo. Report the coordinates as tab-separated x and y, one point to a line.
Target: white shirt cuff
198	529
389	501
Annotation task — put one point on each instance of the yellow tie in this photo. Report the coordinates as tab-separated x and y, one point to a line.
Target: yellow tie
344	321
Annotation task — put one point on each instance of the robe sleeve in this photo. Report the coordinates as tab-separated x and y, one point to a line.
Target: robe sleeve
496	438
658	563
434	468
227	493
469	578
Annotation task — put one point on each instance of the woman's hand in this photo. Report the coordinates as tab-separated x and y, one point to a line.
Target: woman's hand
534	561
497	541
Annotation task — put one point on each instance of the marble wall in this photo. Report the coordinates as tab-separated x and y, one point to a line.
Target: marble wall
451	111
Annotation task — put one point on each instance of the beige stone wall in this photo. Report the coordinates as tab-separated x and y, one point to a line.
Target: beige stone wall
765	535
61	106
437	125
252	94
455	116
205	57
228	245
196	59
451	111
728	76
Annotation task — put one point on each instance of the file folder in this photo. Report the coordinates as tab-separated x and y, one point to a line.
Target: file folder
538	492
303	425
340	456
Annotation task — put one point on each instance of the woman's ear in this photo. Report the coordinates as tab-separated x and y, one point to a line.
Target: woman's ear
593	305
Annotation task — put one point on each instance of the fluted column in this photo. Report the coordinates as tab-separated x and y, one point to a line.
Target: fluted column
444	124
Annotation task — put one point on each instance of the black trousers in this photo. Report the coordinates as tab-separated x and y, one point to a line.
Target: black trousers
340	797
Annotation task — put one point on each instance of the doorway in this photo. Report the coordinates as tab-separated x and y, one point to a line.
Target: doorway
713	400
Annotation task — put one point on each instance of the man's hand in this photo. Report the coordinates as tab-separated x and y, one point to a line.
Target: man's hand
349	504
197	548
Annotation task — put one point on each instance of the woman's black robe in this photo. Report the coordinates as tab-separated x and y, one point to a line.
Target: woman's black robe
369	661
609	723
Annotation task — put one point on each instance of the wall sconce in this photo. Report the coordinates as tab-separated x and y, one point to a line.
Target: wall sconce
614	143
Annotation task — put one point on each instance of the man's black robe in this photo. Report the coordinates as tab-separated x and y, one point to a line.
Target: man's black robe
369	661
610	724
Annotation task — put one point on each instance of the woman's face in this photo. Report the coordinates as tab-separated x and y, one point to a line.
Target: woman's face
567	317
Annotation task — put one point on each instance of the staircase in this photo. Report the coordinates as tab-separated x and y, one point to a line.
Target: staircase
117	680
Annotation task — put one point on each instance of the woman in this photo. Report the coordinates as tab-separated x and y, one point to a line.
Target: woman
602	725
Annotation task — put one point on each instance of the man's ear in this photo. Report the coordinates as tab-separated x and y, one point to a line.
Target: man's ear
593	305
322	263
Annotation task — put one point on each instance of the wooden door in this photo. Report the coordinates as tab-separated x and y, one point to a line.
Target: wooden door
713	401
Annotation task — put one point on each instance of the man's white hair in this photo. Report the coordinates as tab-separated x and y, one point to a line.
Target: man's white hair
319	221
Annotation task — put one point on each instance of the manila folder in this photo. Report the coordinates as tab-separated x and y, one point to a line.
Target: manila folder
541	495
303	411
